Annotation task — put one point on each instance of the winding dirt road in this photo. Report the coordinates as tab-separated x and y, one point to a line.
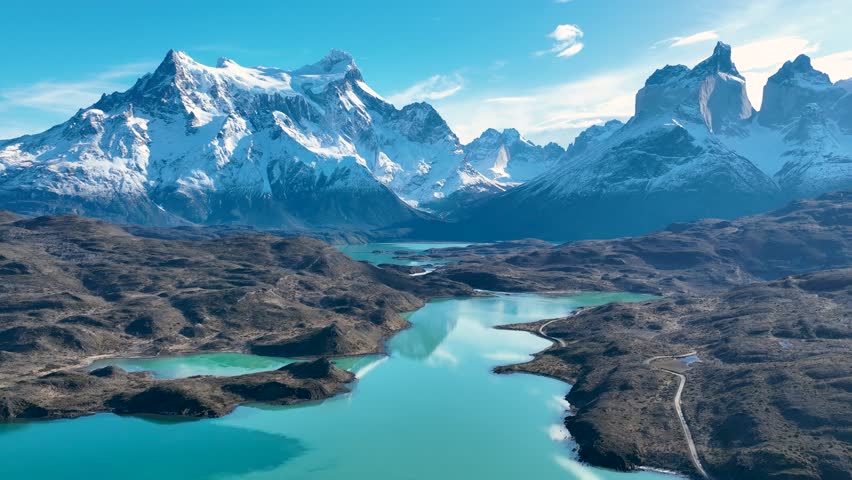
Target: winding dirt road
541	332
693	453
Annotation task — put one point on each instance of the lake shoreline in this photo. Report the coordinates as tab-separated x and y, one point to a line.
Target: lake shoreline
543	365
408	348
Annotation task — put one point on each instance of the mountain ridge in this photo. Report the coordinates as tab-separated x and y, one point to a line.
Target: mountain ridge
316	148
694	148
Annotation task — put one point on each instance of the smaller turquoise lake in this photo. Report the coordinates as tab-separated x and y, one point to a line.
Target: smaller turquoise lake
379	253
218	364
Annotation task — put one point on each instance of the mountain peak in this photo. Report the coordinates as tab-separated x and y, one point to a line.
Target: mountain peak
719	62
177	57
507	135
712	92
788	93
511	133
800	72
172	63
223	62
667	74
722	50
336	56
803	62
334	62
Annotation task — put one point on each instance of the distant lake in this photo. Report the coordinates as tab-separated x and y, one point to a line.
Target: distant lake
378	253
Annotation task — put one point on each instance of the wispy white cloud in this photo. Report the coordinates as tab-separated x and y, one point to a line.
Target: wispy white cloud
551	112
838	65
699	37
68	96
770	52
566	41
436	87
498	64
759	60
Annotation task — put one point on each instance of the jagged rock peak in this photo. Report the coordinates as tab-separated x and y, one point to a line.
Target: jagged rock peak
719	62
508	135
174	59
713	93
800	69
511	133
792	88
666	74
802	62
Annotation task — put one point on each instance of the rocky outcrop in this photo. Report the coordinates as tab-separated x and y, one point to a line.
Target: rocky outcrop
111	389
331	340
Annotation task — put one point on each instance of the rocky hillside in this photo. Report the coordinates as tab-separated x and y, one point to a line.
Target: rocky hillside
769	394
74	289
763	302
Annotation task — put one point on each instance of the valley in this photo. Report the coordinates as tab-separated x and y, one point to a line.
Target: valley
749	298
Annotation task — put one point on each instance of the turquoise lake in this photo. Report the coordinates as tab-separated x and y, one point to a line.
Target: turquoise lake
379	253
431	409
219	364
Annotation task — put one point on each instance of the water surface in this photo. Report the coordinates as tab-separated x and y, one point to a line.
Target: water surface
432	410
220	364
378	253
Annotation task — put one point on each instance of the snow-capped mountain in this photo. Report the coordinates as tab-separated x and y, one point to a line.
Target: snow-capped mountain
694	148
315	146
802	136
508	157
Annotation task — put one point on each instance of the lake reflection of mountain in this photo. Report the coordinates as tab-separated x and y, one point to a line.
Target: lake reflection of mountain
421	340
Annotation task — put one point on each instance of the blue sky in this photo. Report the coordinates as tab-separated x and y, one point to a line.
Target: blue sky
547	67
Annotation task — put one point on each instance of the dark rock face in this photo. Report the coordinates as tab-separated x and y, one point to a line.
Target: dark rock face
330	339
165	400
319	368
